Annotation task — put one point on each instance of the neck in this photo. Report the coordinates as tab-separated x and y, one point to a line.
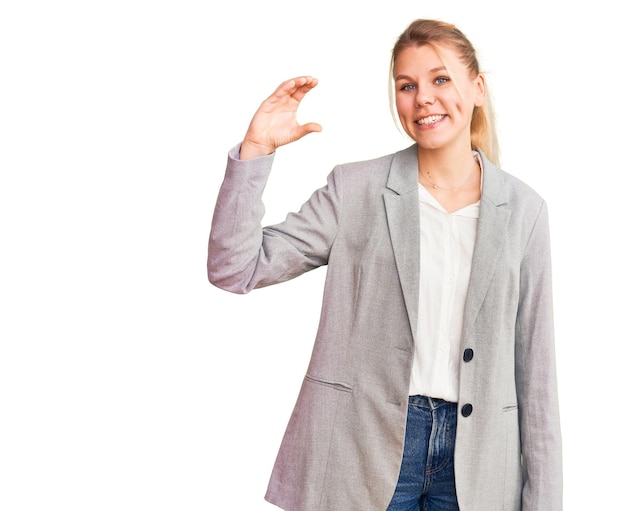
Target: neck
446	168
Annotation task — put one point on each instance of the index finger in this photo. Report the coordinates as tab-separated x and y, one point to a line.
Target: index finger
296	87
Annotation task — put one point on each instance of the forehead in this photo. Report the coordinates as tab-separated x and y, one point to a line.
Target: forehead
427	58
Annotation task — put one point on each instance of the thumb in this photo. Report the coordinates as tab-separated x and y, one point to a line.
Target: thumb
307	128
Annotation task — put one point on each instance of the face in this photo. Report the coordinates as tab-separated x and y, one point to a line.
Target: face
435	96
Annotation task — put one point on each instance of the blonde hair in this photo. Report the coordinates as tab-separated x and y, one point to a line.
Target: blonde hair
433	32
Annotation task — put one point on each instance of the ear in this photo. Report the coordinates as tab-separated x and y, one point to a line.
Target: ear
481	90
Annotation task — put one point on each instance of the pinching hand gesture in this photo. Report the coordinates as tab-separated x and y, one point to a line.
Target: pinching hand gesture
274	123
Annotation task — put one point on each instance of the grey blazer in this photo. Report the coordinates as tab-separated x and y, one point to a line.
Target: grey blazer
343	444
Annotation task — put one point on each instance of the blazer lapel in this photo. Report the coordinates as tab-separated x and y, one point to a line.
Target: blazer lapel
490	238
403	220
404	227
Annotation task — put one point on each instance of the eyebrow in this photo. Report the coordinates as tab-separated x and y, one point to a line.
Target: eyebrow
432	71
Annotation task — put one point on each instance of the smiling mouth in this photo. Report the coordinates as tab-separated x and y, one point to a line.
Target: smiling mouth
431	119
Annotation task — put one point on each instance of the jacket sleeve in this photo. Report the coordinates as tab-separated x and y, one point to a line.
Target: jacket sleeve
242	254
536	376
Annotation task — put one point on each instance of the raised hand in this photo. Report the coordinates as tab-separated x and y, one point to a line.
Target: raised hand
274	123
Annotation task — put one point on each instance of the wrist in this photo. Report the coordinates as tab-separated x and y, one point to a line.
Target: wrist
251	150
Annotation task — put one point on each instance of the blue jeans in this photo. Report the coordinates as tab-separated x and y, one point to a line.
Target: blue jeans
426	481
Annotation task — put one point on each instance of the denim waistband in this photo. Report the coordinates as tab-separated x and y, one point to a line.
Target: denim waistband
429	402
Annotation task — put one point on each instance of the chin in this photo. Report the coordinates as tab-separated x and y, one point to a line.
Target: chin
429	144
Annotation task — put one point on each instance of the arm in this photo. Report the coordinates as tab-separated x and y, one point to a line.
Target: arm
242	254
536	376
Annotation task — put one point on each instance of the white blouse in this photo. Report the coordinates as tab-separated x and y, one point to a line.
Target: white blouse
446	250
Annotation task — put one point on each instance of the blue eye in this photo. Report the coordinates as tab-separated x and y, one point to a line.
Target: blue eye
441	80
408	86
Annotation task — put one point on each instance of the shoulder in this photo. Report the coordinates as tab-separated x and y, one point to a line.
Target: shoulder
373	164
374	169
502	187
520	190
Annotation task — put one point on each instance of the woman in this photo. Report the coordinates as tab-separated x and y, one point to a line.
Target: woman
432	380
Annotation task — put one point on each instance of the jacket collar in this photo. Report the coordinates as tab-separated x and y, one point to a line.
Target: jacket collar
404	226
403	176
403	172
494	186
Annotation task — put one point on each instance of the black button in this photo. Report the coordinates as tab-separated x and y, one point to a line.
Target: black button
466	411
468	354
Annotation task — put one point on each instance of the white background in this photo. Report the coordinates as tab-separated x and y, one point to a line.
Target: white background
128	382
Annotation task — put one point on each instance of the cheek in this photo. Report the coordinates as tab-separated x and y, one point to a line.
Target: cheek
404	106
457	103
464	100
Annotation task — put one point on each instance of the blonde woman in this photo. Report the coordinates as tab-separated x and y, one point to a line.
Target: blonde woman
432	382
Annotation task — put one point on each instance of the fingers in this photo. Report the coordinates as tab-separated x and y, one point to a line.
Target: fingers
303	85
275	122
295	88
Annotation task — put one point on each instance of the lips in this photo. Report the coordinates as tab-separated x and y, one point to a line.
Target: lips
431	119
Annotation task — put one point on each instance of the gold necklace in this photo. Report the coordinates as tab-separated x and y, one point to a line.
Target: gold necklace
437	187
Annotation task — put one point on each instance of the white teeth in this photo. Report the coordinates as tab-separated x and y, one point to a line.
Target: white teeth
430	119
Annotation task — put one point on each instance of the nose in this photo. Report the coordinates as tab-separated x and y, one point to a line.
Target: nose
424	96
